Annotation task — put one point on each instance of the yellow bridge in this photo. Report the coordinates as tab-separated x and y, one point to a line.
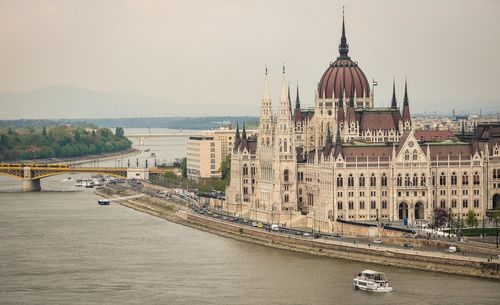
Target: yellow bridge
32	173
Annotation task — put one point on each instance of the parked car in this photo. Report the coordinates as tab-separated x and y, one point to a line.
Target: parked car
275	227
306	234
254	224
317	235
452	249
260	225
407	245
377	241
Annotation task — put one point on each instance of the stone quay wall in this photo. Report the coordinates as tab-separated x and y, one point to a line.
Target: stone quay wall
337	249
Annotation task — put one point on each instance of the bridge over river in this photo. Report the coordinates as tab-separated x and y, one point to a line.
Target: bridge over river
32	173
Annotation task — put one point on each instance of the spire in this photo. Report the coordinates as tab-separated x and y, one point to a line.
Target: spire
297	99
406	106
244	133
266	88
289	100
394	103
343	47
405	100
298	113
237	137
284	108
266	111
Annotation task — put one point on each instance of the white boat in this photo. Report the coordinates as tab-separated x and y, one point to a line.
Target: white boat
370	280
103	201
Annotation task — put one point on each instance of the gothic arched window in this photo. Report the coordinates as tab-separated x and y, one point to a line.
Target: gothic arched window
340	181
362	180
453	178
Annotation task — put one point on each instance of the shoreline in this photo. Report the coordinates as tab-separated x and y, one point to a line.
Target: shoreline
411	259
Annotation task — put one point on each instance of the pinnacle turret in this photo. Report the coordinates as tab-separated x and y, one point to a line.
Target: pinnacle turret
394	102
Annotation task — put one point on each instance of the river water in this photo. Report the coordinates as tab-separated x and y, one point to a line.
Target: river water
59	247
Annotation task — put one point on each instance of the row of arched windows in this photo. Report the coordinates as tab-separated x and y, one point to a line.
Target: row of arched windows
373	205
361	180
454	179
411	181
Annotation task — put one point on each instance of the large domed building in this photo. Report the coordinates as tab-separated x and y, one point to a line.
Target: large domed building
346	160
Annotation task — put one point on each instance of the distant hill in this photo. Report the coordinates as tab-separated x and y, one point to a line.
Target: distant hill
55	102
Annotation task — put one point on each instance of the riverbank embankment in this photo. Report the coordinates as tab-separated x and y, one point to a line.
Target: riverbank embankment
404	258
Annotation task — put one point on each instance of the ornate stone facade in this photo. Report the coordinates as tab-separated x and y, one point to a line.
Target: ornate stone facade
375	168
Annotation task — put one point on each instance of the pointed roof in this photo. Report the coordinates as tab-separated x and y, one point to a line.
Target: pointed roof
394	102
237	136
244	133
289	100
343	47
297	99
298	113
406	106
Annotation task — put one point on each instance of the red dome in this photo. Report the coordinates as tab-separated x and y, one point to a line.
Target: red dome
343	75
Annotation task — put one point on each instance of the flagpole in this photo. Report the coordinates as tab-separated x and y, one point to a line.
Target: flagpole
373	90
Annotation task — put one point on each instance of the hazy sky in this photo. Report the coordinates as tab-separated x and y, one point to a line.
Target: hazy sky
210	55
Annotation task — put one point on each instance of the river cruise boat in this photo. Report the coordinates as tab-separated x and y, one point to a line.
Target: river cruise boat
370	280
103	201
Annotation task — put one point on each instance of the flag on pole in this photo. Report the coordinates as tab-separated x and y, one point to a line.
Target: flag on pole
375	83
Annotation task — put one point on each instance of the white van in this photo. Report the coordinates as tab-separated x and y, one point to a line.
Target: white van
275	227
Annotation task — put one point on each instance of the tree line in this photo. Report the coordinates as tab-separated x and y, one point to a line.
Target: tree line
60	141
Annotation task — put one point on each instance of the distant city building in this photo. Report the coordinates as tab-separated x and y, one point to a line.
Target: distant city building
206	152
347	159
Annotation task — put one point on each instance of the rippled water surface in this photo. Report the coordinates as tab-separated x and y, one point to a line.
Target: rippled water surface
59	247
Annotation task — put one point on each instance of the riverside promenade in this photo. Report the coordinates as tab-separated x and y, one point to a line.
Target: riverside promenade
173	210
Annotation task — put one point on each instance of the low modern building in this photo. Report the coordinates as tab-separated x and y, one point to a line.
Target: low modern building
203	161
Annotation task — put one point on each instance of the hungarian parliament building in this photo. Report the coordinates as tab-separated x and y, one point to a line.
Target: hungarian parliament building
347	159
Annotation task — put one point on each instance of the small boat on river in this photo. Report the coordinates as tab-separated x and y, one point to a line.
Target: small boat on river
103	201
370	280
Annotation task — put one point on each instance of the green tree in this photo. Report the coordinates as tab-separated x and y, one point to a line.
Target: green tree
439	218
184	167
119	132
44	131
471	219
225	168
77	136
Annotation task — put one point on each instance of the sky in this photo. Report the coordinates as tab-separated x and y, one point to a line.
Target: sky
194	58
